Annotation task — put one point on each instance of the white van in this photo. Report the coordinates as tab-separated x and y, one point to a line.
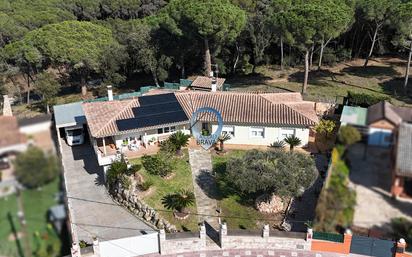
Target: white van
74	135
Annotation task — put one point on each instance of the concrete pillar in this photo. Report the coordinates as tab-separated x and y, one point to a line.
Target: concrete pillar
347	241
202	235
222	234
7	106
401	246
162	239
265	232
309	234
75	250
96	247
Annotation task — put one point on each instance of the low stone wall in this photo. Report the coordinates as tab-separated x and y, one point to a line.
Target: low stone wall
129	199
182	242
286	241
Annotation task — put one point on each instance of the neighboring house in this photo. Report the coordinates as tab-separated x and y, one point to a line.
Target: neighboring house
11	140
34	125
141	123
207	84
402	166
384	120
379	122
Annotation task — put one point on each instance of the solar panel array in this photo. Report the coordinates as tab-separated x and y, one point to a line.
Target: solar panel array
154	110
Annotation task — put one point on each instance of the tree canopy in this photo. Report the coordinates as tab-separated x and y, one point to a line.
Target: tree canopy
278	172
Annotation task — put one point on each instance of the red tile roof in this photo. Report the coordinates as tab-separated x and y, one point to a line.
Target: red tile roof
206	82
235	107
10	134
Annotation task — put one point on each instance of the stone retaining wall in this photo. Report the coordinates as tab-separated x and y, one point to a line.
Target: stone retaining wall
129	199
185	244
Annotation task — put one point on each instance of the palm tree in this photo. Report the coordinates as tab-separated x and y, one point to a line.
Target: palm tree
179	140
179	201
292	141
222	139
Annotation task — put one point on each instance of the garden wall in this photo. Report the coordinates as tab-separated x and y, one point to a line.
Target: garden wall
182	242
335	247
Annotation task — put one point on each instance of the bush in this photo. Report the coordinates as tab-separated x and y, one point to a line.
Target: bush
34	168
278	172
167	147
159	164
349	135
118	173
364	100
336	204
146	185
325	127
402	228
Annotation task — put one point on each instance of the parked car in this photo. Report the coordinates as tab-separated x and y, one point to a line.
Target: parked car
74	135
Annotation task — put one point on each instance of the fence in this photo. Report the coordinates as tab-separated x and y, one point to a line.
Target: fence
328	237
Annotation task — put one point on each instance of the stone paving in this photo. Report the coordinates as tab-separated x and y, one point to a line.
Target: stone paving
204	185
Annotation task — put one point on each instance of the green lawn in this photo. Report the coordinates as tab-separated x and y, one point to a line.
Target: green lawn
238	213
36	203
161	187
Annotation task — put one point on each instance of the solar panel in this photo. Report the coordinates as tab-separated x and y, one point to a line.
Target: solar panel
154	110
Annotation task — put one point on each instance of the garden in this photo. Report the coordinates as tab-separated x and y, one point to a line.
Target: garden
253	187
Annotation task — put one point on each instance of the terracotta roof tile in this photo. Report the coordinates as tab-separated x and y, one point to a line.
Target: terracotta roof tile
10	134
235	107
206	82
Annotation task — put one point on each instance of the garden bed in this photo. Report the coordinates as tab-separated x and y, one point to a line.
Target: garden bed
162	187
236	211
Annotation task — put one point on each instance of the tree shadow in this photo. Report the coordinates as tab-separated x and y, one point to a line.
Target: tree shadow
371	71
315	77
242	81
395	88
207	183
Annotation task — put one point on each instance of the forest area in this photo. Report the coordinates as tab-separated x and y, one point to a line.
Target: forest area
53	48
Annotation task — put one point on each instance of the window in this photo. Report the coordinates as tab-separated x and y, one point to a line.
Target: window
286	132
166	130
228	130
257	132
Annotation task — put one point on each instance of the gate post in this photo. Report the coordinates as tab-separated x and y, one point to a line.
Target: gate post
400	246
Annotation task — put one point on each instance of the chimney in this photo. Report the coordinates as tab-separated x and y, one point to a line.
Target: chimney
214	84
7	106
110	93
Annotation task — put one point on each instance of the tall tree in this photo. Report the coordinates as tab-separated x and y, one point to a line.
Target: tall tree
212	21
376	13
48	87
303	25
337	18
74	44
403	24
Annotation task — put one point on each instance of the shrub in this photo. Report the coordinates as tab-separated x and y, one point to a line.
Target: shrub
364	100
34	168
349	135
337	201
146	185
278	172
167	147
325	127
280	144
159	164
117	173
402	228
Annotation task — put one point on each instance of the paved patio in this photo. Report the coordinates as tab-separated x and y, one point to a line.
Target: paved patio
371	178
93	212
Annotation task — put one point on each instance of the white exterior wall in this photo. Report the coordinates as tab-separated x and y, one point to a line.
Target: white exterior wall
271	134
130	246
35	128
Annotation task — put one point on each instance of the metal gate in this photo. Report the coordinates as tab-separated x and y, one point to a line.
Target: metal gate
372	246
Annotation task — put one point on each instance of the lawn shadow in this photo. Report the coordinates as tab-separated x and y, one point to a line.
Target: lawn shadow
16	235
319	78
395	88
371	71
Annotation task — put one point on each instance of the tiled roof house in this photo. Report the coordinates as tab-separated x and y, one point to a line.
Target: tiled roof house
251	118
